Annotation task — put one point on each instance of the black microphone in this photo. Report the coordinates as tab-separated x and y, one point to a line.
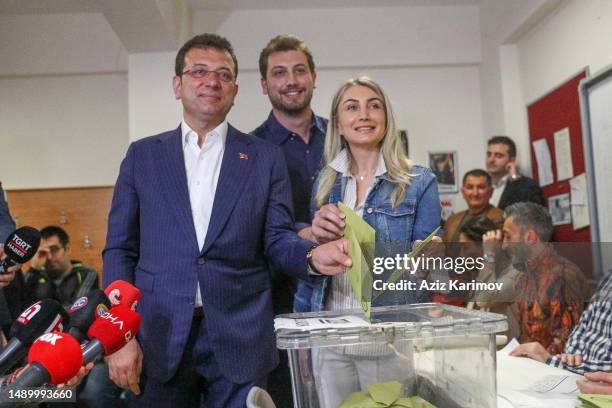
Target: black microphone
20	247
85	311
40	318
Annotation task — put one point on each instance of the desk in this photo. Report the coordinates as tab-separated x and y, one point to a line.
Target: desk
515	374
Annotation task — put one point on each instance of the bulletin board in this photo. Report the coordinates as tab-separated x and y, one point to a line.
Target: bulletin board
555	111
559	112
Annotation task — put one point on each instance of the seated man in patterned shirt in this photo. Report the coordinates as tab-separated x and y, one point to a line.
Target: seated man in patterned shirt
589	347
550	290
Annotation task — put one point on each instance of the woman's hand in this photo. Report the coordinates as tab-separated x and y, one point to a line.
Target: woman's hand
328	224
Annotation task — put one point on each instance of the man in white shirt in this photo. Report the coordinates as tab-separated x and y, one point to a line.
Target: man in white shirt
198	213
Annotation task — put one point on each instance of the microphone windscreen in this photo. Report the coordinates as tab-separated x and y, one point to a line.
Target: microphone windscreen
41	317
123	293
86	310
59	353
22	244
115	328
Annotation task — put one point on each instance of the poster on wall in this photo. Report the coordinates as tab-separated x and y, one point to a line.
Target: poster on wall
559	208
444	166
579	202
542	154
563	155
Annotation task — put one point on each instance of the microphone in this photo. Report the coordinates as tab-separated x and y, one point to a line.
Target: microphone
121	292
54	358
20	247
110	332
85	311
42	317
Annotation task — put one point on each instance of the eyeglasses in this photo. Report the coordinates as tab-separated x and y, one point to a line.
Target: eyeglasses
199	72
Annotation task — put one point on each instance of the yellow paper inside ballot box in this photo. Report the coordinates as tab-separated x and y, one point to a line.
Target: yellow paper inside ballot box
361	238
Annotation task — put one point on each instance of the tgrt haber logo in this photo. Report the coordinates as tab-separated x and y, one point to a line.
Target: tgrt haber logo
27	315
19	246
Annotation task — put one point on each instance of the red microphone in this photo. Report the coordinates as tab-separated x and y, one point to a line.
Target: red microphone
54	358
110	332
123	293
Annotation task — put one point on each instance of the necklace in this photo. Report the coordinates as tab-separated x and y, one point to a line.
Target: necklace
363	176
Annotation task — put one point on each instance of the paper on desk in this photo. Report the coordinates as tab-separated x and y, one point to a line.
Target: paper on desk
542	154
512	344
530	384
361	237
579	202
563	155
314	323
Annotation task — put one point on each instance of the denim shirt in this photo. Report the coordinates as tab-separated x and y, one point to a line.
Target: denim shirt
396	229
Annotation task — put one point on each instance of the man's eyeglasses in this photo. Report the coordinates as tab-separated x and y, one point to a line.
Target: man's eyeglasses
198	72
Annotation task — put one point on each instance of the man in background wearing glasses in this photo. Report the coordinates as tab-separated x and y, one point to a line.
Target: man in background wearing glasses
54	275
197	214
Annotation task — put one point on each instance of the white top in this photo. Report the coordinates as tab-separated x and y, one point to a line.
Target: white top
202	166
498	190
341	295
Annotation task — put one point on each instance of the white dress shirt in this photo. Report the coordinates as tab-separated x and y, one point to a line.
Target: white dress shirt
498	190
202	166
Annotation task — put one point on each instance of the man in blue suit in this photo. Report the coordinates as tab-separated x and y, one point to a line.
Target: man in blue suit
197	214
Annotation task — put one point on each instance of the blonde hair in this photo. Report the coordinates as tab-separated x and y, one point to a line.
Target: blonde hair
393	151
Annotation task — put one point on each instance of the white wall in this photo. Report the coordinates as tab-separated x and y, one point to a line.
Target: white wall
500	84
62	131
152	107
576	35
349	37
63	101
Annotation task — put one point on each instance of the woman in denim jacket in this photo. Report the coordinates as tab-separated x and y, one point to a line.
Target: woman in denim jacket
367	168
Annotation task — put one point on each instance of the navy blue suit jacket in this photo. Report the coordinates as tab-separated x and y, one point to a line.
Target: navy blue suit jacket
152	242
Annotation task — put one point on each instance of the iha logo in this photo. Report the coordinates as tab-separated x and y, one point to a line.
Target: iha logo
26	316
79	304
115	296
113	319
101	310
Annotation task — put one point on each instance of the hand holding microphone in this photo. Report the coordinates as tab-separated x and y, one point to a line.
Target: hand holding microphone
19	248
125	366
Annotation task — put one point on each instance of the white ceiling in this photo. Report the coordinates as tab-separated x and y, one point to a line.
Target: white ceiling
303	4
16	7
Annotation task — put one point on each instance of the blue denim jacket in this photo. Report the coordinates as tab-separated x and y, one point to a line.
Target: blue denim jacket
396	229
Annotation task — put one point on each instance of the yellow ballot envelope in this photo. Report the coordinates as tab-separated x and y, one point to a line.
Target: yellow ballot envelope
361	237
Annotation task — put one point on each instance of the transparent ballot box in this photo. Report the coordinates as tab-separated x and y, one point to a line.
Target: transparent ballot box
406	356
